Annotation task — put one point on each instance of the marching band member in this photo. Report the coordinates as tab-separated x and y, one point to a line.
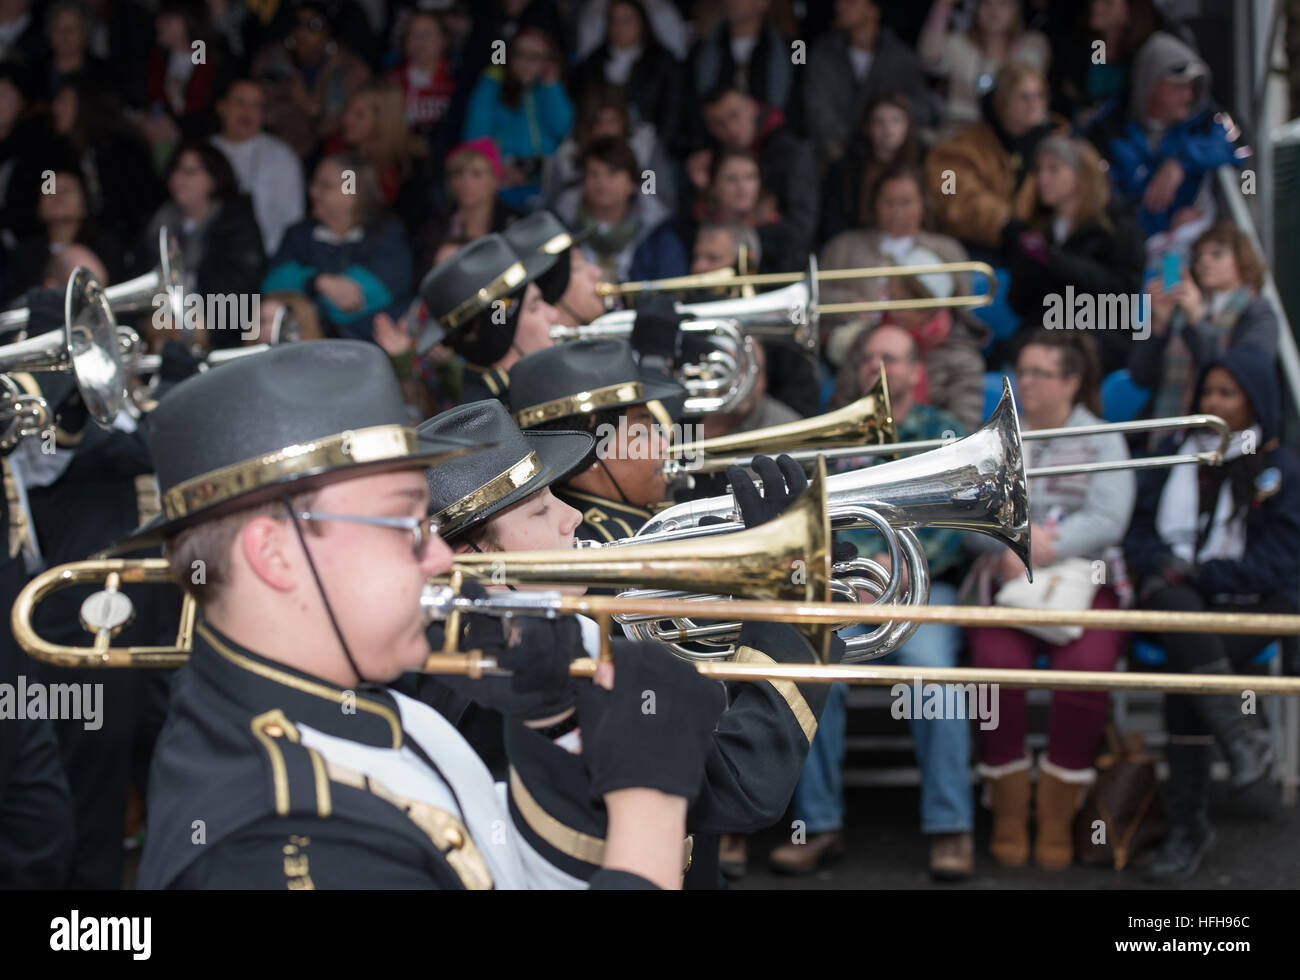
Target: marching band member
568	282
300	526
501	499
595	386
86	486
37	817
487	303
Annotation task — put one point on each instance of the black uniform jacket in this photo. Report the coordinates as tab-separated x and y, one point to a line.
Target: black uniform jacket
764	735
758	751
759	747
603	519
237	801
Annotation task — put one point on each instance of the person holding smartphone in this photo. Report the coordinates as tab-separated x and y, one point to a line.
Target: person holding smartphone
1197	318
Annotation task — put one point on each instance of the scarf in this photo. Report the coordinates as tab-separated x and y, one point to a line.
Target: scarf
1178	383
609	241
1189	530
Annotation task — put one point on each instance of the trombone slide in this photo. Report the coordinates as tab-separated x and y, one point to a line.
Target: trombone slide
474	665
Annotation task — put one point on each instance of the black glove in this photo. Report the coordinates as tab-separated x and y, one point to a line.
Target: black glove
783	481
70	414
177	362
654	332
842	551
654	729
537	654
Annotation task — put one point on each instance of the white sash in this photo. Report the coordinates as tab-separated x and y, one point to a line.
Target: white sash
512	863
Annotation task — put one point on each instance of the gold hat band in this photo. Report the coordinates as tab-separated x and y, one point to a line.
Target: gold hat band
482	298
369	445
557	244
455	516
627	393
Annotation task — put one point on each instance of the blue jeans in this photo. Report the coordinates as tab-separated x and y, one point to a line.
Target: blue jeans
943	745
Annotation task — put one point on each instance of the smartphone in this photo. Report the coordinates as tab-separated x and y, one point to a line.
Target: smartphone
1171	272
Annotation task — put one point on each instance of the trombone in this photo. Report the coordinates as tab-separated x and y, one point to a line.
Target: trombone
704	463
727	277
789	313
869	419
86	347
135	295
107	612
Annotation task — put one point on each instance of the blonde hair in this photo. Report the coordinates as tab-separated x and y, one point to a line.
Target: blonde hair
461	159
392	143
1013	73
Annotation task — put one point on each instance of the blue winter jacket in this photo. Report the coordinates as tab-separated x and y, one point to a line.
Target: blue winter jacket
379	260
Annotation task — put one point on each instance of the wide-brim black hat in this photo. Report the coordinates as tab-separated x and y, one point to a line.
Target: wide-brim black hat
289	419
467	492
580	377
542	243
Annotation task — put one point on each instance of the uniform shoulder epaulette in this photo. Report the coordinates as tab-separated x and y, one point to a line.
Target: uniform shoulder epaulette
299	782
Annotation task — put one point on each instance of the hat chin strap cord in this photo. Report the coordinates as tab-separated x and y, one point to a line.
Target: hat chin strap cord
329	610
617	489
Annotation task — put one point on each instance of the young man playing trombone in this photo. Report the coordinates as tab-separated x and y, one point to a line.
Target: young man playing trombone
299	523
596	386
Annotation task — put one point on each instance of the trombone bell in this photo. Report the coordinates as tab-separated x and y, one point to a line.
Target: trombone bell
86	347
168	277
866	421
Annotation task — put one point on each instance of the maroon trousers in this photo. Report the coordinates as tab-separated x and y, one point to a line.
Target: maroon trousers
1077	719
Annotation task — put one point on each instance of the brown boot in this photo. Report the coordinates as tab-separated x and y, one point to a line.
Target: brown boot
1060	791
815	853
1008	792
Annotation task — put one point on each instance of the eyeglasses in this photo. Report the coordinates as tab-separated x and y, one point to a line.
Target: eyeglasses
423	530
1036	374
